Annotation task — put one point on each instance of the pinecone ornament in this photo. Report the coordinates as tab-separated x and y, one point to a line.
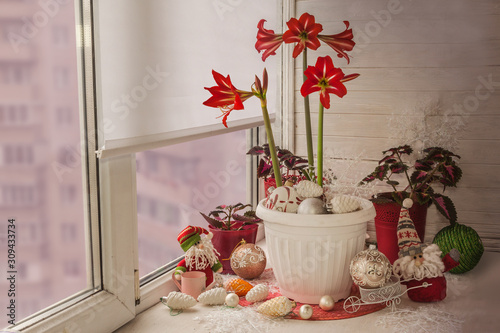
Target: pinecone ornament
257	293
238	286
344	204
216	296
309	189
178	301
277	307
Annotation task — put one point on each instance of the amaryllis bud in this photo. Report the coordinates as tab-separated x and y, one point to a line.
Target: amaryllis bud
264	80
258	85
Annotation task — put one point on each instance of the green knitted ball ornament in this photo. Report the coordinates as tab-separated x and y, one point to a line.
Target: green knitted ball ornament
464	239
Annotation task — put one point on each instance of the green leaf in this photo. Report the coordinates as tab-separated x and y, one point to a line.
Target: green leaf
381	171
387	160
256	150
246	219
398	167
446	207
392	182
422	198
399	196
451	173
213	222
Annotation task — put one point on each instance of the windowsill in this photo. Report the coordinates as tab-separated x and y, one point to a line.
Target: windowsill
472	297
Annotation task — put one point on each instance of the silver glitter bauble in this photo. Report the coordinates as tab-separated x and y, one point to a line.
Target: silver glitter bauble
311	206
370	268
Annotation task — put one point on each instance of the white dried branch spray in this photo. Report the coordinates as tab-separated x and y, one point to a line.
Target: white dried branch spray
239	319
423	319
426	125
344	170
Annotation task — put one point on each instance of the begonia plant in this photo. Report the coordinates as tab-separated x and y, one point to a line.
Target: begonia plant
437	167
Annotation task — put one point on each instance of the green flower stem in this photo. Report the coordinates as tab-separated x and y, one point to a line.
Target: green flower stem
307	115
270	141
320	145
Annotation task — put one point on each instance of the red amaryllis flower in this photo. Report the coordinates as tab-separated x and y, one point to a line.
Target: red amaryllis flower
341	42
267	40
225	96
326	79
304	31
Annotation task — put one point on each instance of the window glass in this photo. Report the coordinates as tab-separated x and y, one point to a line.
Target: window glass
40	165
175	183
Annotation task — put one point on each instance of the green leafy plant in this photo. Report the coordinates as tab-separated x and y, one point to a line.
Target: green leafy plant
438	167
225	217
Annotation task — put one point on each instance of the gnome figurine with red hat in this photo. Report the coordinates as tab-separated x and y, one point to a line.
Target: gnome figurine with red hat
200	253
419	263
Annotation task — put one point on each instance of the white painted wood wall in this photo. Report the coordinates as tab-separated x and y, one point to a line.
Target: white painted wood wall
411	54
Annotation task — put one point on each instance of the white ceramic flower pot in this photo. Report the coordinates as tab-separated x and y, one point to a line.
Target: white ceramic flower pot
311	254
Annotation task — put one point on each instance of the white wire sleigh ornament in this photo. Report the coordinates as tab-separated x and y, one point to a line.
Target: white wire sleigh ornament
390	294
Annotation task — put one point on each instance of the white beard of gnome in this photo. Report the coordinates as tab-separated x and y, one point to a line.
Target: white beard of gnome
429	266
202	255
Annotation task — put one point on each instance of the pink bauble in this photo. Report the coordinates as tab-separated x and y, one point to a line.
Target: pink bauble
248	261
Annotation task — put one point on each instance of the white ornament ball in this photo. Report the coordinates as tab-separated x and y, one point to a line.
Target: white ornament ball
216	296
178	301
257	293
284	199
309	189
342	204
326	303
232	300
311	206
306	311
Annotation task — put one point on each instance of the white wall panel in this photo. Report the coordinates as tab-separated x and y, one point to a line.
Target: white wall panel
411	54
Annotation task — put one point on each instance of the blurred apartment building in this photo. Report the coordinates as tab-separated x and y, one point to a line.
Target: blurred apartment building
40	161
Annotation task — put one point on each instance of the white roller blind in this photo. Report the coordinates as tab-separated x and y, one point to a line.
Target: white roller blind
154	58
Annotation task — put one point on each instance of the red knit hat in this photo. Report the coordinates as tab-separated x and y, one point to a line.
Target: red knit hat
190	235
408	241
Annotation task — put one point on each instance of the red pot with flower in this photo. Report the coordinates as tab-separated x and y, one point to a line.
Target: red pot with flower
231	224
438	166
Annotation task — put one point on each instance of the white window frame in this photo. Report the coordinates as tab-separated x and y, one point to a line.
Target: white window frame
117	296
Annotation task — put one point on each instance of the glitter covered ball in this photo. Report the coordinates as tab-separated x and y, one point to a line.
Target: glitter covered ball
370	268
248	261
